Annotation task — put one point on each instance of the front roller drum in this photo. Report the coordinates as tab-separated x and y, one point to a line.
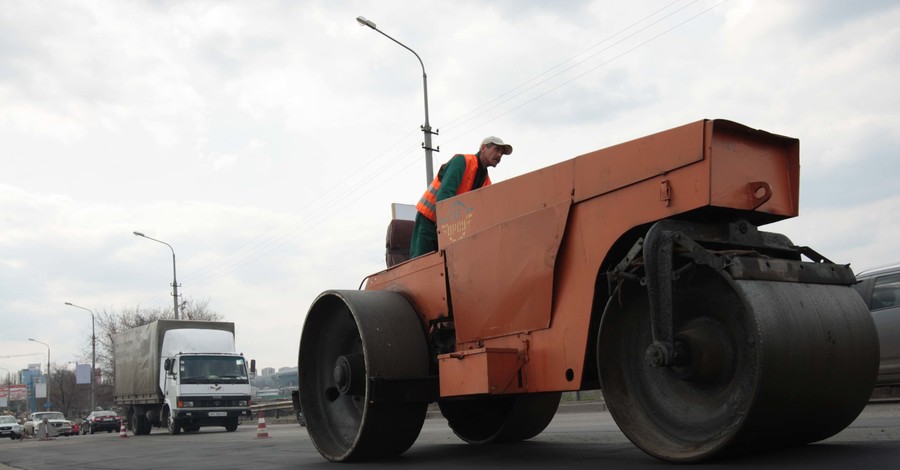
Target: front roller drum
350	338
768	364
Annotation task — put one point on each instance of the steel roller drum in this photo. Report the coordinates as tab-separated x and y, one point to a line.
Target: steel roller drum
771	364
350	338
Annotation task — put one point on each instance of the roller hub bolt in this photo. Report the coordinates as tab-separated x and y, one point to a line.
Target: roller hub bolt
349	374
660	354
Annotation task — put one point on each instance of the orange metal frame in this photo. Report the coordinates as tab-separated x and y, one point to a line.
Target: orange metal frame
520	260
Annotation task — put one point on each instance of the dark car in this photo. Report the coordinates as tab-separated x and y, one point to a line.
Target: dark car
98	421
880	289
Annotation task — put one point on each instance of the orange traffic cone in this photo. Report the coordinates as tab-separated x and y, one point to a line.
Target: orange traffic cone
261	431
122	432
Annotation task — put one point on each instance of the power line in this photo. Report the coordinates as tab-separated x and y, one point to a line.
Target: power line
474	113
289	229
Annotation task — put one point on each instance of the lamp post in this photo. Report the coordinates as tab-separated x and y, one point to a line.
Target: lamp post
5	379
426	129
93	351
174	279
47	403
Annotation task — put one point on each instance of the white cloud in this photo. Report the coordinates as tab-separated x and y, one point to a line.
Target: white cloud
266	142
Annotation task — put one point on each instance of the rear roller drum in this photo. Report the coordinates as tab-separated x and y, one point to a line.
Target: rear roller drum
500	419
348	339
767	364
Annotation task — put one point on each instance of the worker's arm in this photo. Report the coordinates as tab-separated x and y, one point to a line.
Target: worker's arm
452	176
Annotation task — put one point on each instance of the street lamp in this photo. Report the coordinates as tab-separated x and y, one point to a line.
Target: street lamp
5	379
47	403
174	279
426	129
93	350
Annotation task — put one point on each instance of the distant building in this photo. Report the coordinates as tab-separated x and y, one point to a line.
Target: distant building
277	385
267	371
286	377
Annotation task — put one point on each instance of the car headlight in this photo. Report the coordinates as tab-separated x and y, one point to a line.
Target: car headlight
243	403
185	404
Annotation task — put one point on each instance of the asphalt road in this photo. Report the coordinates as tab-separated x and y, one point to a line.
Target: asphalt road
580	436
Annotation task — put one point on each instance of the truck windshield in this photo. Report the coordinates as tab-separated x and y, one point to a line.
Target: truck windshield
212	369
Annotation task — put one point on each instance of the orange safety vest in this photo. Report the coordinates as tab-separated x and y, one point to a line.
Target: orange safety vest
428	203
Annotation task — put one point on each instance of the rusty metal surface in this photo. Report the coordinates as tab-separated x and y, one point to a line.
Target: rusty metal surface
481	371
421	280
524	256
615	167
743	160
501	279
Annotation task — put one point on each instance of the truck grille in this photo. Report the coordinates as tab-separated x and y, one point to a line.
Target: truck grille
215	402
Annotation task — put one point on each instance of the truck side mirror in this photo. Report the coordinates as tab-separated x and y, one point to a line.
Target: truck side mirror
169	366
252	368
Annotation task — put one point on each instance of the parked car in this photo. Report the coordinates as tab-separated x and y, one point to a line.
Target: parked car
56	419
9	427
880	289
76	428
101	420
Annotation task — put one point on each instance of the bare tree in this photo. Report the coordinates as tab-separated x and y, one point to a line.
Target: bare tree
64	394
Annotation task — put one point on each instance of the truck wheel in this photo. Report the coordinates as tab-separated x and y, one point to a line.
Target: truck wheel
146	426
500	419
768	364
349	339
141	425
231	424
174	425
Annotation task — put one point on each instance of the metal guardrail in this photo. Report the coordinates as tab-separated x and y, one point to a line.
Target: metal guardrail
273	409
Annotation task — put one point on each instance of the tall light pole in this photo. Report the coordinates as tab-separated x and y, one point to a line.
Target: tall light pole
93	351
426	129
174	279
5	379
47	403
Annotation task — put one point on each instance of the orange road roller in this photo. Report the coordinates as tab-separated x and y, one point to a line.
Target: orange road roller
638	269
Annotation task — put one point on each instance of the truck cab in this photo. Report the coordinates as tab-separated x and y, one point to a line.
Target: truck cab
206	390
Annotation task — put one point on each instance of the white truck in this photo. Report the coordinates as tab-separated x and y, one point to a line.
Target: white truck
182	374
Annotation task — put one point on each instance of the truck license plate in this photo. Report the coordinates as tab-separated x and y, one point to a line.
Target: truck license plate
218	413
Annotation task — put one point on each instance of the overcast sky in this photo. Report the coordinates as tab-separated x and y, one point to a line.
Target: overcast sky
265	141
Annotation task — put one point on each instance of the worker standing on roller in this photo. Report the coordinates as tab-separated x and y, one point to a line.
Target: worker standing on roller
460	174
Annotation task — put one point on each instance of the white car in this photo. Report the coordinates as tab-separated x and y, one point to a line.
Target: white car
60	424
880	289
9	427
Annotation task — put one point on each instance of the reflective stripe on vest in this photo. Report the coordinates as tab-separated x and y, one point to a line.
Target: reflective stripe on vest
428	203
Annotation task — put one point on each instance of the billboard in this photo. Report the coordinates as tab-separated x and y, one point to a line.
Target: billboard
13	392
82	374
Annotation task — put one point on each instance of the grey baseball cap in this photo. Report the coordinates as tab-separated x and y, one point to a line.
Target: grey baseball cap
507	149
